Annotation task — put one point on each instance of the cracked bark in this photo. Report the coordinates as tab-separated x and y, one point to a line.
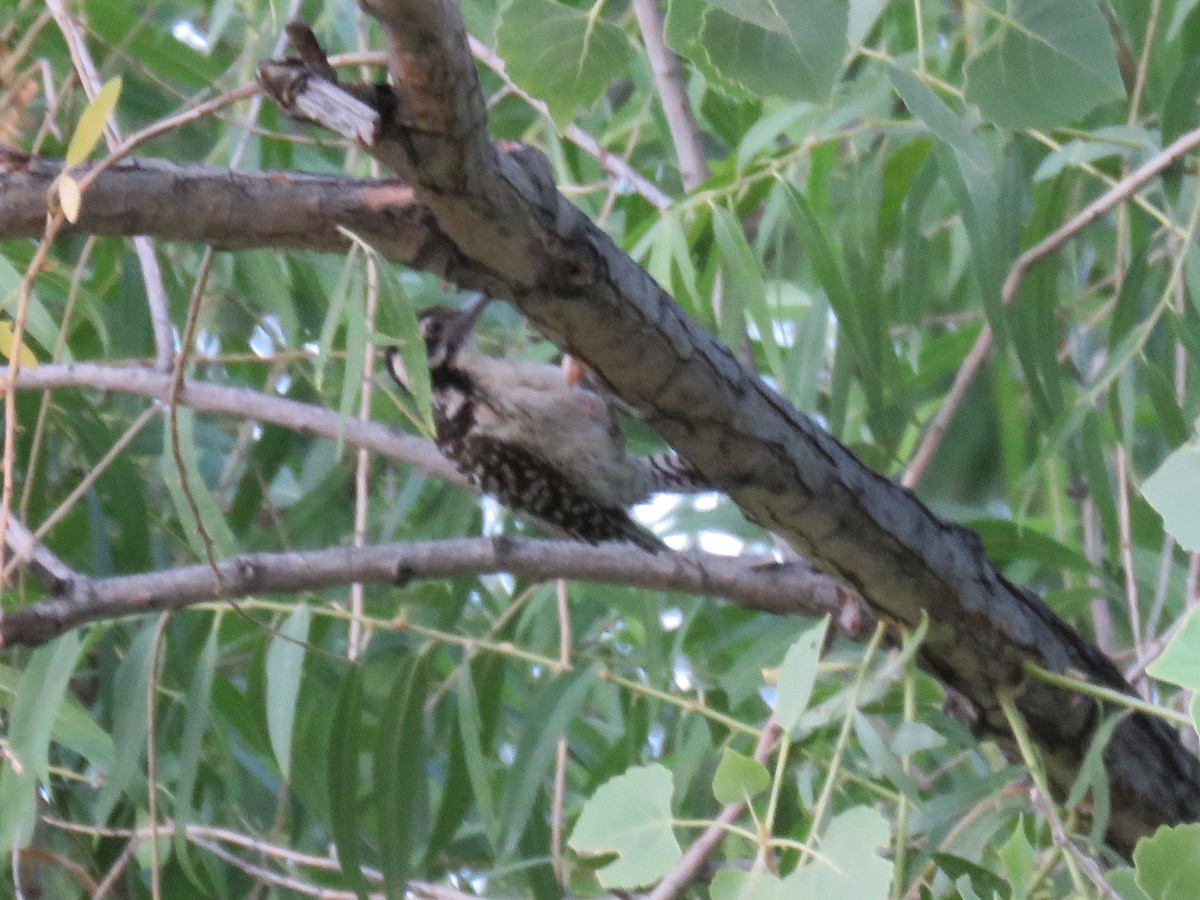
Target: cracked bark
516	237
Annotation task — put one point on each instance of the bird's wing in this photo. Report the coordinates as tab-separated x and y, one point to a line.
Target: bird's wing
526	482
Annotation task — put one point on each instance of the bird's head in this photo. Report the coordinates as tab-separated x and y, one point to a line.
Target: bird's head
445	331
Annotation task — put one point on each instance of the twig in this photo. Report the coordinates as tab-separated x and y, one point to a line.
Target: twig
1058	834
1125	534
685	871
156	293
303	417
51	570
1118	193
668	82
612	163
88	480
563	608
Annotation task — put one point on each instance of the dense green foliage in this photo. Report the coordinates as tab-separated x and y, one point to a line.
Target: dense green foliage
875	170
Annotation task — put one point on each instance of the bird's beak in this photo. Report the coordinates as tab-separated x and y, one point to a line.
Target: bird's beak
468	315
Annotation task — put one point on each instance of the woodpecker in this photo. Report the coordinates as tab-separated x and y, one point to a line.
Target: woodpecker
535	439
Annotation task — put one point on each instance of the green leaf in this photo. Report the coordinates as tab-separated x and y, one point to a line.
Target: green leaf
1008	541
411	345
1048	63
1161	392
566	56
211	518
73	726
90	128
1179	663
738	777
1017	856
39	698
470	727
757	884
130	720
1093	777
985	882
1168	862
1174	492
792	50
548	714
399	773
944	122
745	292
285	662
851	866
798	674
195	722
1124	882
344	811
630	815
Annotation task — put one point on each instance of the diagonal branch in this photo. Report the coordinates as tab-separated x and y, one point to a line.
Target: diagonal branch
517	237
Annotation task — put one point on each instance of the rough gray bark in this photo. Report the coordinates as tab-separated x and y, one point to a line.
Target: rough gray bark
227	210
514	236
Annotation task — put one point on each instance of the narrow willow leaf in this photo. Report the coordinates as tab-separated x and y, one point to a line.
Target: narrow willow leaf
745	294
412	349
91	124
399	773
344	809
130	720
352	364
195	723
7	337
548	714
38	700
349	284
70	198
73	727
285	662
470	728
211	517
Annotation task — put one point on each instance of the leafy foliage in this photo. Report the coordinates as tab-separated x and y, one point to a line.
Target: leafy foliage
875	170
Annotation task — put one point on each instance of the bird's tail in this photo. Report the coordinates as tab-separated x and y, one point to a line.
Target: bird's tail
672	474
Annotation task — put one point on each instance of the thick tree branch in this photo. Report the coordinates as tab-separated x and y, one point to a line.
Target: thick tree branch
517	237
760	584
230	211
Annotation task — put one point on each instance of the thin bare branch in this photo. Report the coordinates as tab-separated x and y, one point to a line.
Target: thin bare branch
51	570
1052	243
675	882
668	82
243	402
760	584
156	292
